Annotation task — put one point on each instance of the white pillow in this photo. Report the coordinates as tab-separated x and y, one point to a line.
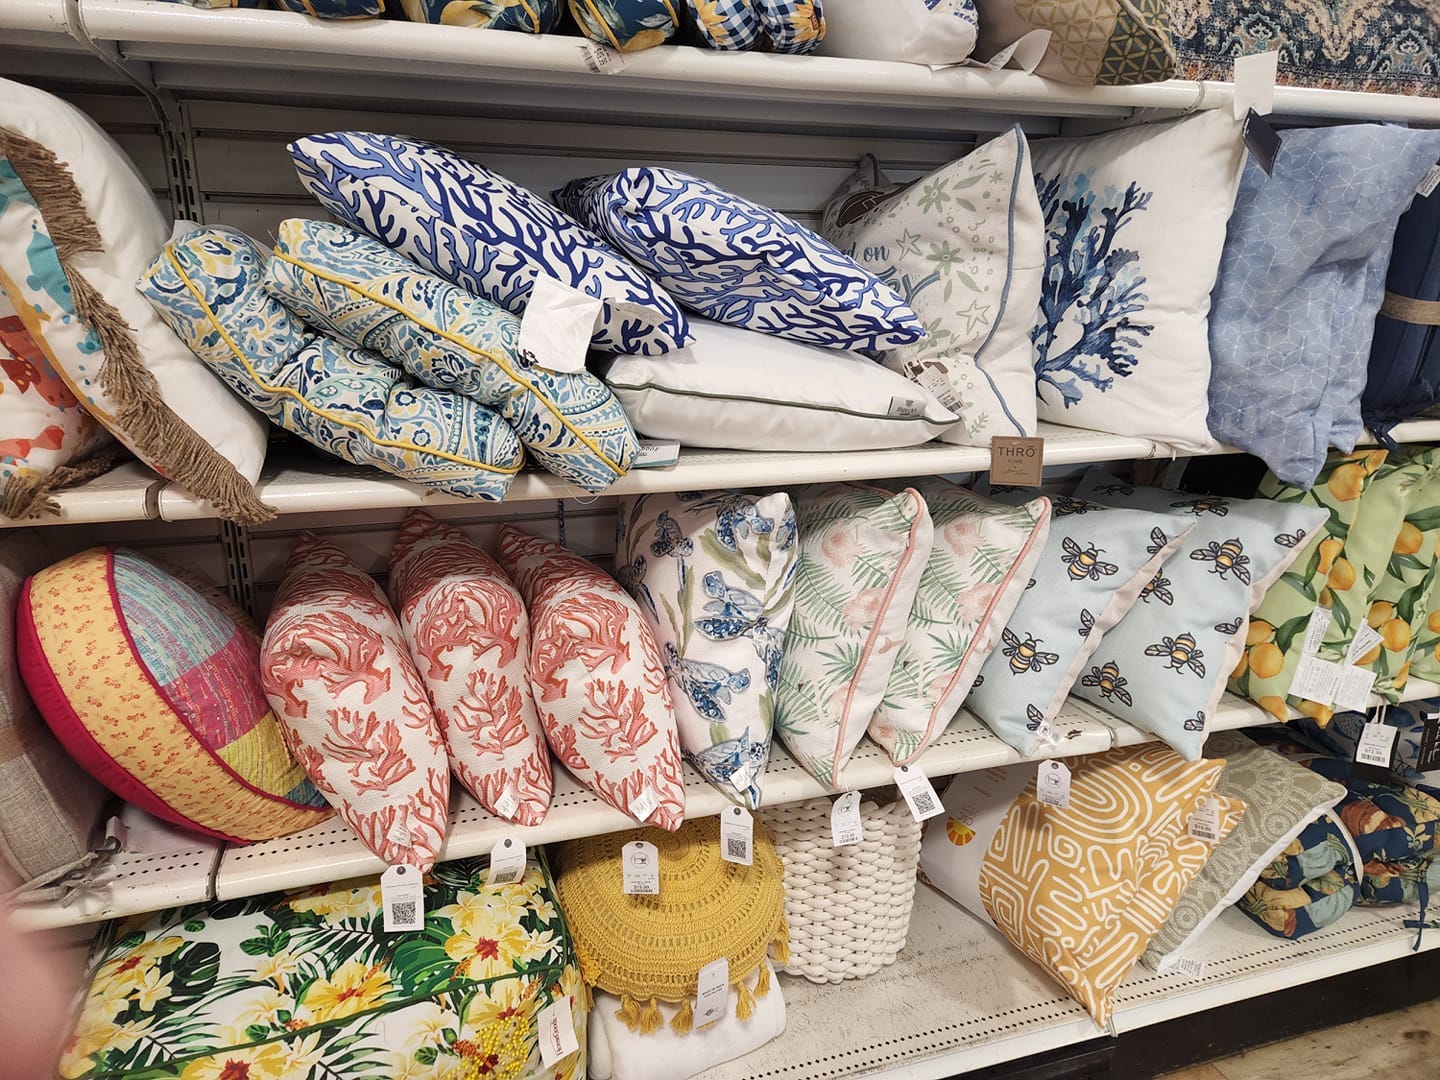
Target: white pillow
936	32
1137	282
979	303
745	390
188	426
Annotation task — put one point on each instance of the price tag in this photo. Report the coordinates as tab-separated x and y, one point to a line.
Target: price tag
645	804
1205	821
1052	784
1430	183
1262	140
1184	965
602	59
935	380
737	832
1376	742
1015	460
1316	680
906	406
845	827
1315	631
508	803
507	862
919	795
656	454
1354	689
1366	638
640	864
555	1026
1255	83
402	899
712	991
556	327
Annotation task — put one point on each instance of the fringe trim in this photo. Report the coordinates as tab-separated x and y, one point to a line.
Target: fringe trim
651	1018
744	1002
762	980
29	497
780	947
684	1020
140	410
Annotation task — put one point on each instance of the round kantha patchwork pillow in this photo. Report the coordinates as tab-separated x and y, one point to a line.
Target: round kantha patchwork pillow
155	690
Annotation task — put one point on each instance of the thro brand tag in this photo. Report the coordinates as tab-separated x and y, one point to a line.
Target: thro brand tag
919	795
1262	140
1016	460
402	899
507	862
556	327
656	454
644	804
845	827
1205	821
1052	784
640	866
555	1026
737	832
712	990
602	59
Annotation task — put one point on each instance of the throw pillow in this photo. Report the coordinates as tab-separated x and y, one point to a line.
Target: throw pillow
524	16
1308	885
738	262
964	247
353	707
599	684
1105	43
627	25
469	636
938	32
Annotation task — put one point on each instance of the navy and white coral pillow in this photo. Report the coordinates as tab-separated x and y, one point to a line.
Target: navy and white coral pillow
741	263
482	232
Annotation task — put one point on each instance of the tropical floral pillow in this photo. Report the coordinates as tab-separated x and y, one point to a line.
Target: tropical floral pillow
469	636
1169	659
863	552
980	565
339	677
738	262
523	16
714	572
308	984
1308	885
1135	221
1097	563
627	25
976	286
598	680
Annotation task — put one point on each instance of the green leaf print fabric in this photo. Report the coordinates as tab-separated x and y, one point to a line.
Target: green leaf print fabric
306	985
862	554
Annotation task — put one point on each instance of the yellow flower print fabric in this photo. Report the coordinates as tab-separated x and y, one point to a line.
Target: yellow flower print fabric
304	985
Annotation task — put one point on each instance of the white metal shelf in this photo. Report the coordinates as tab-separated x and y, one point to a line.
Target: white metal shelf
959	998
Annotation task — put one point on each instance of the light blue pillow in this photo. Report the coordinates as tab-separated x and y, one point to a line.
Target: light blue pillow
1096	562
355	288
207	286
1301	279
738	262
478	230
1172	658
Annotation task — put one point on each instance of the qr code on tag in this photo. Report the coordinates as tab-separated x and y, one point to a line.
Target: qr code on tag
924	804
403	912
735	847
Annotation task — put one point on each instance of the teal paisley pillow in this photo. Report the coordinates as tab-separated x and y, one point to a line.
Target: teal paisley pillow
714	572
308	984
357	289
354	404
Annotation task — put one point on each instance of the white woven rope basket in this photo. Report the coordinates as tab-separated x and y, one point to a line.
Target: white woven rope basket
848	908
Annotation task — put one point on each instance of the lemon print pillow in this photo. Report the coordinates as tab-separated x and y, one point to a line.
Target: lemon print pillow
1162	669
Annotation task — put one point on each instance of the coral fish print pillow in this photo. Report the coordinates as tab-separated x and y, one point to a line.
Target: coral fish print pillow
863	552
339	677
1169	659
714	574
738	262
979	300
1097	563
1135	224
469	636
982	559
478	230
598	680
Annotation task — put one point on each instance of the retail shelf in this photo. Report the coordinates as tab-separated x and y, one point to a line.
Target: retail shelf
959	998
126	493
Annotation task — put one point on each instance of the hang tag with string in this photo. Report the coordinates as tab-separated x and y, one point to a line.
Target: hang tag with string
640	868
737	833
712	991
555	1028
402	899
845	827
919	794
1052	784
507	862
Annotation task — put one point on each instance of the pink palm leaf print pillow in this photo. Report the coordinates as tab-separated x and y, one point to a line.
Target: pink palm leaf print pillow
352	706
599	686
469	636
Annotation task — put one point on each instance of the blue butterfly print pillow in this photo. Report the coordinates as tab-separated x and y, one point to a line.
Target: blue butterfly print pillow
738	262
1168	659
714	573
478	230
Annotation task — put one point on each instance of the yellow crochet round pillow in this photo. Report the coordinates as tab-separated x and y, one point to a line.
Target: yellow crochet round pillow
649	949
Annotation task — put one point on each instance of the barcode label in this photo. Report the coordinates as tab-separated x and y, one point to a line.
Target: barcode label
404	911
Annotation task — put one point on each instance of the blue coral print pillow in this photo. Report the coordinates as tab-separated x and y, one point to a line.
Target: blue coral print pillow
522	16
478	230
738	262
714	573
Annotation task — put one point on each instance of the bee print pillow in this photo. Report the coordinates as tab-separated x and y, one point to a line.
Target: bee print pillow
713	573
1097	562
1163	667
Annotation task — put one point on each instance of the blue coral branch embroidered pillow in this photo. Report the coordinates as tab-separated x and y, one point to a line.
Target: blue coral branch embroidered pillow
1135	224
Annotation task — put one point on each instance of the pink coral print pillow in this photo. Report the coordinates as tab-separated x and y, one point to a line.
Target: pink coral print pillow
599	686
353	708
470	639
